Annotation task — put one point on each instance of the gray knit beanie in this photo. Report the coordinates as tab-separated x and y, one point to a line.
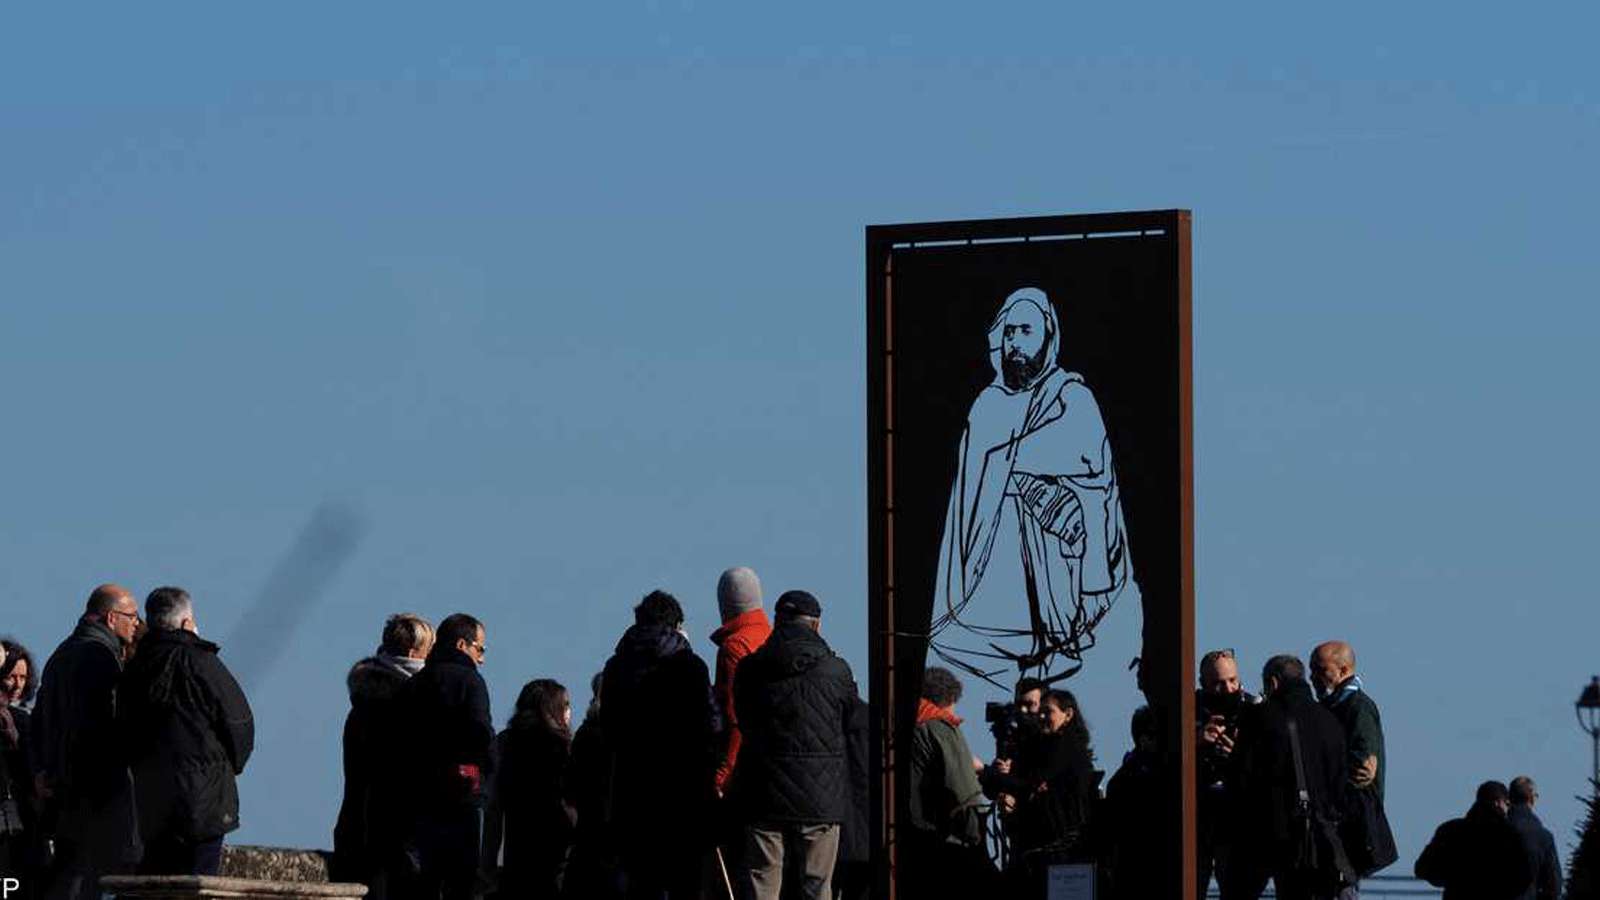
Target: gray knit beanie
738	591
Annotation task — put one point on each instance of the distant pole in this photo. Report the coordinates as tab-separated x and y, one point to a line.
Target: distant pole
1588	710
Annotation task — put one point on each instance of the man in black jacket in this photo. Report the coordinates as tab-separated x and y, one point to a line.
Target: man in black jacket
1479	856
1263	787
795	700
364	843
85	785
1537	840
188	732
660	729
445	710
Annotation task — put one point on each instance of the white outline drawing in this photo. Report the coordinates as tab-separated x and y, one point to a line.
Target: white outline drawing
1035	450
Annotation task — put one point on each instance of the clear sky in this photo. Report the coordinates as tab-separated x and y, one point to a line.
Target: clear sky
565	302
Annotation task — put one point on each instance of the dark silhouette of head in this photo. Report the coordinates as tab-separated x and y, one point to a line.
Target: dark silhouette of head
462	633
543	704
1523	791
19	677
1492	795
940	687
658	609
1280	672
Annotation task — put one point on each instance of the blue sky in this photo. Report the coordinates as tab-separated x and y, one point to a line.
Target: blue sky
568	304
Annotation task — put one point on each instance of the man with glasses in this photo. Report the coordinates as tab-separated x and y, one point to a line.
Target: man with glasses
1536	839
445	731
89	801
1218	702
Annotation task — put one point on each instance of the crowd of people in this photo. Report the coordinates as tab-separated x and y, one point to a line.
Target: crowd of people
746	779
127	759
1291	790
682	780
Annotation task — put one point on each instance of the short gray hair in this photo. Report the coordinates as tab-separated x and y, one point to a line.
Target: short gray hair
167	607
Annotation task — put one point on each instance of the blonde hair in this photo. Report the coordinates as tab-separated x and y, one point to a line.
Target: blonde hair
405	632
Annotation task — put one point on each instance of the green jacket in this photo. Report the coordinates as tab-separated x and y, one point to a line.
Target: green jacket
1363	735
944	788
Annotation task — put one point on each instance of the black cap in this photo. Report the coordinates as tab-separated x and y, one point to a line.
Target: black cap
797	603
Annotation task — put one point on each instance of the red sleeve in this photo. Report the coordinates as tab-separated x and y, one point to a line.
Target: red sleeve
730	720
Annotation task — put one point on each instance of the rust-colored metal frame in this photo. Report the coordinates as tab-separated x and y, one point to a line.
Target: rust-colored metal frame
1169	645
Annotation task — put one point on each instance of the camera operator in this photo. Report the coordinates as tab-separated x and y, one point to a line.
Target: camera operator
1218	704
1054	783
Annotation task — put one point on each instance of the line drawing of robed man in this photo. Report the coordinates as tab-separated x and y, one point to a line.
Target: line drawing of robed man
1034	457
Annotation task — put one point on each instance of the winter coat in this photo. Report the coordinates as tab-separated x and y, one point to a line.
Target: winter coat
529	826
660	727
445	711
76	746
1054	781
855	837
371	731
1540	845
1135	789
795	698
737	638
591	866
17	768
188	733
1478	857
1262	784
1358	715
76	714
945	794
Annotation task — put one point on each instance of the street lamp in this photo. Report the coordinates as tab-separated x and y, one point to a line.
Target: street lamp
1588	711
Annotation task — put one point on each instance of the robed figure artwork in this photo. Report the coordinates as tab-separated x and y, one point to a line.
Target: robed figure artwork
1034	457
1030	478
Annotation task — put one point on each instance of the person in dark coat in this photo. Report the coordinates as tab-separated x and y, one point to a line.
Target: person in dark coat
1333	674
1479	856
365	846
528	826
445	708
86	788
188	733
592	869
1537	841
22	853
852	871
1218	703
662	733
1263	785
1055	783
1135	789
791	787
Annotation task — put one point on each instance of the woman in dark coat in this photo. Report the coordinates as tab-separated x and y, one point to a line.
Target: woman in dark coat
22	853
1055	784
529	823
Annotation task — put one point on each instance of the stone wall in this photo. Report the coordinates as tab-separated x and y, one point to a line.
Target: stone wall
263	873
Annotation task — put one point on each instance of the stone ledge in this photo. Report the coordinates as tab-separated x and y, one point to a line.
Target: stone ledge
216	887
274	863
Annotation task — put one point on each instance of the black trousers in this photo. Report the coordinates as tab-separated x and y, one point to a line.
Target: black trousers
441	856
173	856
1245	879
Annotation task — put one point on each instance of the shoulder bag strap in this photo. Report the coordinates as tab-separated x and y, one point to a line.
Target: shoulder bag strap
1301	794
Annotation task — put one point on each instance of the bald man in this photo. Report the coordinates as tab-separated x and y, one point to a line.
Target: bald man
75	722
1367	838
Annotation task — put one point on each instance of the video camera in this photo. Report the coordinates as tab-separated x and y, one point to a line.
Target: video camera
1010	727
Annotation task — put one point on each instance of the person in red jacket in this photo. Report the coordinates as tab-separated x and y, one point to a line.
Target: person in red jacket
744	628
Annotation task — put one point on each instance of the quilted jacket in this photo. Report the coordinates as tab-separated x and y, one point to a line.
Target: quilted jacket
795	699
